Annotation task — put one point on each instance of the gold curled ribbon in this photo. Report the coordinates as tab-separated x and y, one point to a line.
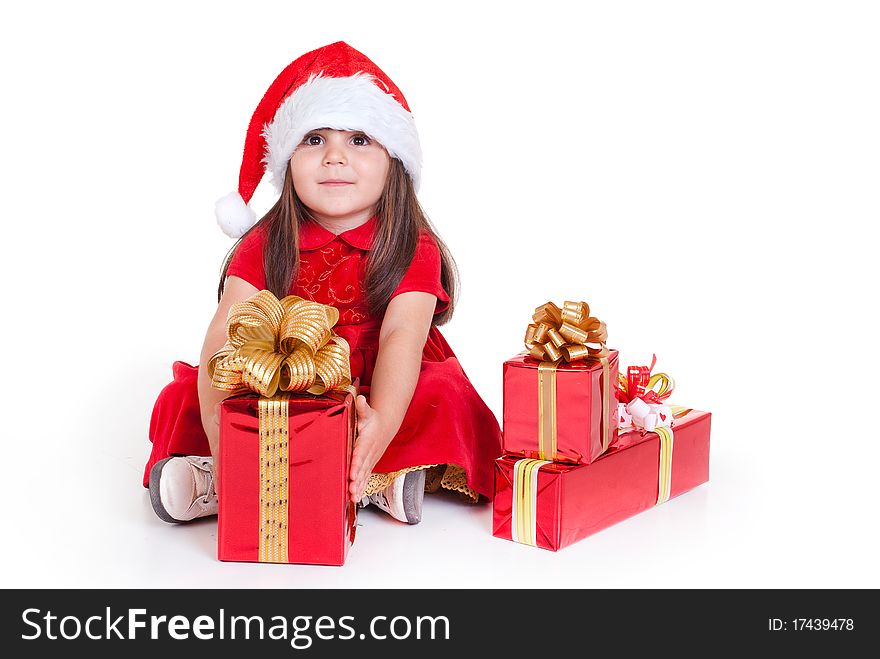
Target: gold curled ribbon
281	345
571	334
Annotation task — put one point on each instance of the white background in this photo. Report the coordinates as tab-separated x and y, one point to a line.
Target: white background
705	175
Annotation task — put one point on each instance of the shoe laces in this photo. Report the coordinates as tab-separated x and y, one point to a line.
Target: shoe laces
207	468
379	498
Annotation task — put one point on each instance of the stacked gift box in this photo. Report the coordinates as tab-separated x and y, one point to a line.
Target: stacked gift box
585	446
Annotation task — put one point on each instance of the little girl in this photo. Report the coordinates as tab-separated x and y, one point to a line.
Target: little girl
338	138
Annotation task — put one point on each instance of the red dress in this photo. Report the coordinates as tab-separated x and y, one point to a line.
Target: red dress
447	422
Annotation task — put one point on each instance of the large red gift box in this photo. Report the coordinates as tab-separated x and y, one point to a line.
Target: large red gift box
554	412
293	510
552	505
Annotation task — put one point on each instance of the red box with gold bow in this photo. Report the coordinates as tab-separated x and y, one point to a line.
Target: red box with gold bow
565	413
560	398
285	500
552	505
285	453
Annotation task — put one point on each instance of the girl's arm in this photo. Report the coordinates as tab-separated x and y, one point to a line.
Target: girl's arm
236	290
401	343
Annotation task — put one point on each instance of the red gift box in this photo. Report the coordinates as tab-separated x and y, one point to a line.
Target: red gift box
552	505
286	504
555	412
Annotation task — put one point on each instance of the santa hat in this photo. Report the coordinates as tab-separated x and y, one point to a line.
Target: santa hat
332	87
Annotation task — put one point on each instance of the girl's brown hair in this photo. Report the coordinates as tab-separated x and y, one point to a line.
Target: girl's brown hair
400	221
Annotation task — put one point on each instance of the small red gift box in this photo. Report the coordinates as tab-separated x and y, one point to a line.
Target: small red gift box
552	505
555	412
284	499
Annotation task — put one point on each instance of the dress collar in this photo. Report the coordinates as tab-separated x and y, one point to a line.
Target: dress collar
313	236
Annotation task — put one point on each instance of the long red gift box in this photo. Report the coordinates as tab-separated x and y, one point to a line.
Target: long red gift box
558	504
555	413
310	520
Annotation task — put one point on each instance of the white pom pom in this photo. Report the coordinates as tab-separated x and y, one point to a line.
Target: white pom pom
233	215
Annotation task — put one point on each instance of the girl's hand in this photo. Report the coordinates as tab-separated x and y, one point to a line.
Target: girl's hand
371	443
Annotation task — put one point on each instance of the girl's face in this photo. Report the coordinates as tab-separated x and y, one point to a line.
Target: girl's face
339	174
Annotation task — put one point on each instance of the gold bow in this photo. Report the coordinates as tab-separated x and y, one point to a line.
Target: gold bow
569	333
572	334
285	345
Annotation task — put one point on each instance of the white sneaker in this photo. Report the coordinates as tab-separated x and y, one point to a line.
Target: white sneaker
403	498
182	488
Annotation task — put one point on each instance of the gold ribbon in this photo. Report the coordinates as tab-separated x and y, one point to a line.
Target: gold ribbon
523	525
274	467
279	345
547	410
571	334
607	402
679	411
286	345
665	480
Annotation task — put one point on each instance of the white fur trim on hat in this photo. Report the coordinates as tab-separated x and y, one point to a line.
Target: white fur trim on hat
233	215
351	103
